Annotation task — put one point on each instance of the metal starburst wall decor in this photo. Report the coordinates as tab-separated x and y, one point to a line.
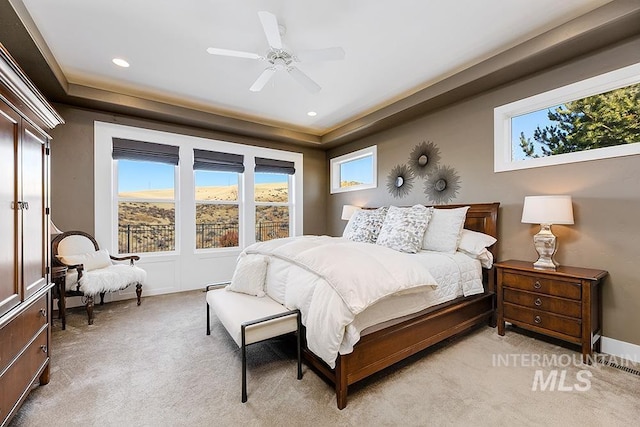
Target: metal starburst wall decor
400	181
424	159
442	185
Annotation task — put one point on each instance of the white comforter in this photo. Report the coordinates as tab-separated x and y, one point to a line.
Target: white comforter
347	278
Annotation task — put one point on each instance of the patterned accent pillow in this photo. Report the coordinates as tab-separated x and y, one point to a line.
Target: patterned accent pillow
365	225
404	228
443	233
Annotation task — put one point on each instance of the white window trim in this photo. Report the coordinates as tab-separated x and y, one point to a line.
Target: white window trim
336	162
502	120
104	202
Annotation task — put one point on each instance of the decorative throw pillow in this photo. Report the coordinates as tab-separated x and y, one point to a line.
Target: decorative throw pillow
90	261
474	243
365	225
443	232
404	228
249	275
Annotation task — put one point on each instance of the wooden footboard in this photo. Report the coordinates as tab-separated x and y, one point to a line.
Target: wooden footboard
380	349
383	348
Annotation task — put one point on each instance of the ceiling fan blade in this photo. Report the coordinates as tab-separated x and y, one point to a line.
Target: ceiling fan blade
271	30
262	80
235	53
315	55
304	80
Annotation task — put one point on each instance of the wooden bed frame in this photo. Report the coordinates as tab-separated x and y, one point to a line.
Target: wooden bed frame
382	348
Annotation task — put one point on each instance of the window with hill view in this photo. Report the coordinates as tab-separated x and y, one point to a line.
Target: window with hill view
217	209
354	171
146	206
272	205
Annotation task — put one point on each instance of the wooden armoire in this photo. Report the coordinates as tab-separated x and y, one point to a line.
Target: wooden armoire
25	287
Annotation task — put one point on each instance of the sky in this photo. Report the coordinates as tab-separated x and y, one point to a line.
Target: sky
138	176
527	123
357	170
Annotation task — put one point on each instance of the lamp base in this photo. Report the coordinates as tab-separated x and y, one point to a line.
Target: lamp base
545	243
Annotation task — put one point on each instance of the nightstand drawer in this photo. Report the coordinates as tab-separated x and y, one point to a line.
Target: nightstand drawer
542	285
543	302
542	319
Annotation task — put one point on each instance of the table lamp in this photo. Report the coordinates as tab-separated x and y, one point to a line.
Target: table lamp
348	211
546	211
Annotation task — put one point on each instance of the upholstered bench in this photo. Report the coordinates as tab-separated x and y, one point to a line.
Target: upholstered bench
250	319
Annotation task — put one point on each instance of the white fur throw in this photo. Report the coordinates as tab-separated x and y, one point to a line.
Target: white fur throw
109	279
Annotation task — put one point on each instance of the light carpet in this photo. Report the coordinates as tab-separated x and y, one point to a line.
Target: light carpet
153	365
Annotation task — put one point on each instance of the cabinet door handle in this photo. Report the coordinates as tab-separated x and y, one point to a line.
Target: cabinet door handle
538	302
25	205
537	319
537	285
43	348
43	312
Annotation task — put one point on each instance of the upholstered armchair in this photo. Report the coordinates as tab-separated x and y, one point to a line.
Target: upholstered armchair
92	271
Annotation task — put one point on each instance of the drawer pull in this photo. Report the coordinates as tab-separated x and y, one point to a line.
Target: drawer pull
538	302
537	319
43	348
537	285
43	312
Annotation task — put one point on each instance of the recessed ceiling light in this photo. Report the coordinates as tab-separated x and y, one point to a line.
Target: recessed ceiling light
312	114
120	62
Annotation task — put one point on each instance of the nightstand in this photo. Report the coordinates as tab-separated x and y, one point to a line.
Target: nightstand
565	303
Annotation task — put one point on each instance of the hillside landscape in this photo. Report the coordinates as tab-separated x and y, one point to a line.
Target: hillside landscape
146	223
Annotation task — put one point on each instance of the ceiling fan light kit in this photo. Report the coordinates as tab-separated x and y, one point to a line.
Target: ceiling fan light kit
280	59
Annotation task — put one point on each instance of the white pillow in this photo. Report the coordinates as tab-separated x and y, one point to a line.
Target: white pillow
90	261
249	275
443	232
365	225
403	228
474	243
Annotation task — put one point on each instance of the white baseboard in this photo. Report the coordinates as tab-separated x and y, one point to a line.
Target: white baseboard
621	349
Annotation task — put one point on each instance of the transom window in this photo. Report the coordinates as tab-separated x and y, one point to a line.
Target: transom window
592	119
354	171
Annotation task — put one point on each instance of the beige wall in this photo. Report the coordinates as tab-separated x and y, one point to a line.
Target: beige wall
606	193
72	178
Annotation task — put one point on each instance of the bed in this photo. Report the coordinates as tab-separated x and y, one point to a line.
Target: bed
351	331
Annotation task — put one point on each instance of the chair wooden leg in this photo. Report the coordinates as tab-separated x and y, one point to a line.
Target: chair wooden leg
139	292
89	306
102	298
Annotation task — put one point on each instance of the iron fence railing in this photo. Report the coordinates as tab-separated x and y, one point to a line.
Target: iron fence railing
140	238
267	230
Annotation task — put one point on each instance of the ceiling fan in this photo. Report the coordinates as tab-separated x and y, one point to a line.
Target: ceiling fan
280	58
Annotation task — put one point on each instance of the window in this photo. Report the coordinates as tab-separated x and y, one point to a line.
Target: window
272	201
217	197
592	119
197	253
146	196
354	171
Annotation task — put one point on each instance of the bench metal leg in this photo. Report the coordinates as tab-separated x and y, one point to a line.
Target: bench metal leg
208	320
299	347
244	366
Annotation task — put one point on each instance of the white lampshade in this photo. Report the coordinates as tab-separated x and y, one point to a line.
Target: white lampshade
348	211
53	230
547	210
